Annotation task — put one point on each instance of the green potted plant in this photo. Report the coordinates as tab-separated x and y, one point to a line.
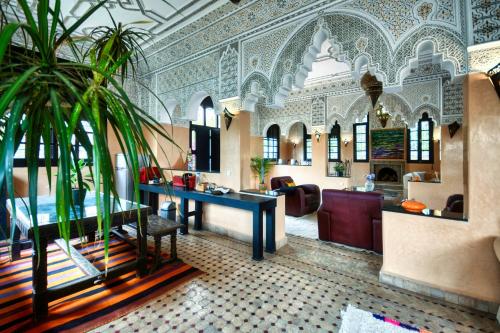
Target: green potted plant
261	167
340	168
42	96
87	182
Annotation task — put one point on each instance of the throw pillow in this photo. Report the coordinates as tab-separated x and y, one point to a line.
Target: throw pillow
290	184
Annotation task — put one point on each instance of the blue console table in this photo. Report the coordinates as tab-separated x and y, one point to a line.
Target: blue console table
256	204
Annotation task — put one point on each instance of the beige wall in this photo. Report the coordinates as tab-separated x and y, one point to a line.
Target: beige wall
434	195
317	172
21	181
451	255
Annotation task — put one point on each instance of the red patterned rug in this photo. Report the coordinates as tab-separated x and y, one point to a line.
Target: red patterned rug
109	300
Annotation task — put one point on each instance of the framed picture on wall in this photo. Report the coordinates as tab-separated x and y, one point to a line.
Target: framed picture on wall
388	144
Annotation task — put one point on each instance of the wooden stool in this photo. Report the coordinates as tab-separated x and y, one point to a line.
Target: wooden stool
157	228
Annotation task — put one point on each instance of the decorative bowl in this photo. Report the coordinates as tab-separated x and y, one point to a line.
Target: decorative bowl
413	206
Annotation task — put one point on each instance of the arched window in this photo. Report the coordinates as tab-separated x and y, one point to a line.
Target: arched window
307	145
204	139
272	143
334	144
360	133
420	141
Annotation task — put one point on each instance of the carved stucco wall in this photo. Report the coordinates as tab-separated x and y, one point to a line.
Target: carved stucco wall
257	51
427	89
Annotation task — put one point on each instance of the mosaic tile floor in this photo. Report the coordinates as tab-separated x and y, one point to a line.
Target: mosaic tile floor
305	226
300	289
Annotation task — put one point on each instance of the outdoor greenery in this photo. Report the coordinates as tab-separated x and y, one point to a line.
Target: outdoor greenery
87	180
42	95
261	167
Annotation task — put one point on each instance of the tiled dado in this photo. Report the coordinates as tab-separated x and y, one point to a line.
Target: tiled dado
440	294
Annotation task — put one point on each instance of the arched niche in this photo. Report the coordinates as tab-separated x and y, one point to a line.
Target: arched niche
294	144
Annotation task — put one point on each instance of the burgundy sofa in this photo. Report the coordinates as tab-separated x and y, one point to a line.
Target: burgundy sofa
299	200
351	218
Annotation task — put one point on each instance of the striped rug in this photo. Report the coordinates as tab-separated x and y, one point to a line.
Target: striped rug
89	308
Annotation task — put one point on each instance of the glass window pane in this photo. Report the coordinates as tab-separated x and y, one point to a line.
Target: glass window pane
413	145
424	125
361	155
413	134
21	151
211	118
193	140
425	135
82	153
200	120
360	129
360	138
425	145
425	156
414	155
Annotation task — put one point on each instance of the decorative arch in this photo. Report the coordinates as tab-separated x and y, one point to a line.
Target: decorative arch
165	116
290	124
348	33
194	103
255	87
447	49
269	124
358	109
428	45
342	121
431	110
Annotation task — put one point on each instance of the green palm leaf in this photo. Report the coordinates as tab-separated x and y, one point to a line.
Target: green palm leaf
41	94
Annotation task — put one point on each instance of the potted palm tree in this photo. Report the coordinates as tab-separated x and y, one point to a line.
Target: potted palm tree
261	167
42	95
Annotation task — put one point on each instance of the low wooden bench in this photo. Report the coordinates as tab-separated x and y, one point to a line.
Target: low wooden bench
157	228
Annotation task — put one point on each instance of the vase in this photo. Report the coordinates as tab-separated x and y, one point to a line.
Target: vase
262	187
369	186
340	173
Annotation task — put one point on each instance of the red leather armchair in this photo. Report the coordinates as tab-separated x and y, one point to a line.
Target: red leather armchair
299	200
351	218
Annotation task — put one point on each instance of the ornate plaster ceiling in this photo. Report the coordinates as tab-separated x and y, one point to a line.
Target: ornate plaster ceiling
162	16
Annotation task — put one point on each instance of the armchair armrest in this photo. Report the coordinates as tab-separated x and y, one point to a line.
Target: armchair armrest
310	188
324	225
288	189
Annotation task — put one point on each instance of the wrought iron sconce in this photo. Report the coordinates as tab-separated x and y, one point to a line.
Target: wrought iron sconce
346	142
228	117
494	75
382	115
317	135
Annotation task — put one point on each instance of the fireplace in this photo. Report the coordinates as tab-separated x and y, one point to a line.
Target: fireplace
387	175
388	172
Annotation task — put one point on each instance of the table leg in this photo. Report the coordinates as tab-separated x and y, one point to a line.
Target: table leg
257	252
271	230
142	240
198	207
16	242
184	214
39	293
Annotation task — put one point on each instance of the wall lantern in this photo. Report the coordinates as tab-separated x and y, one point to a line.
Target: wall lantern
228	117
494	75
317	135
382	115
346	142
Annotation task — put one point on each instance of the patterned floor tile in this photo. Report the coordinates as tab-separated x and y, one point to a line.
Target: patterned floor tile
302	288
